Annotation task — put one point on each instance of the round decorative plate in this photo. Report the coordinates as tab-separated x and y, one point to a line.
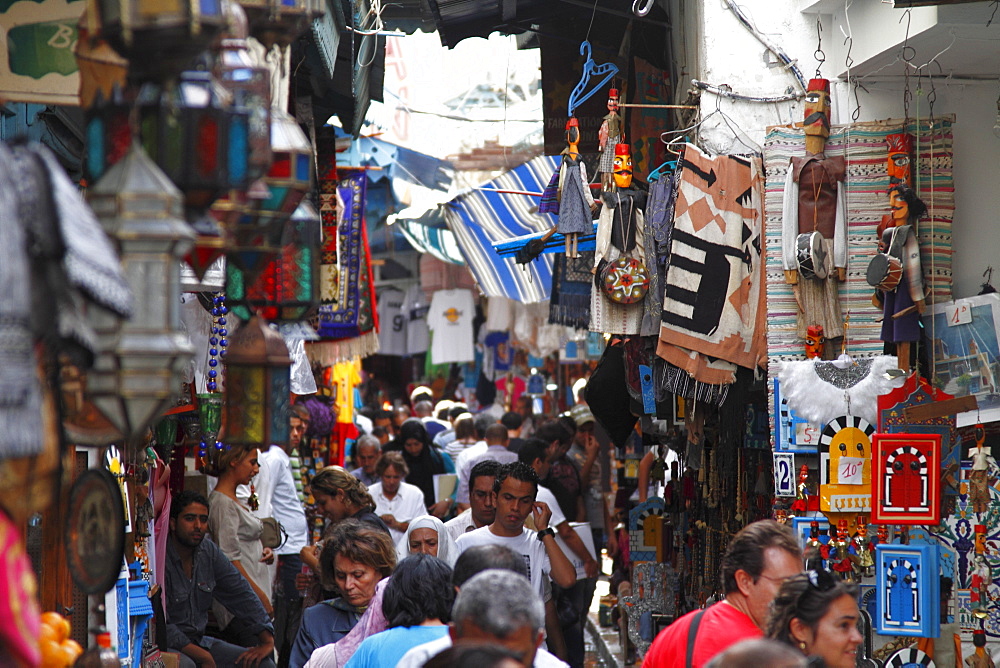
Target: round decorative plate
95	531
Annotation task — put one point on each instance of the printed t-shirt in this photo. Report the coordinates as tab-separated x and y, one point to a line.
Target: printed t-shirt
450	318
722	626
527	545
392	321
345	376
415	307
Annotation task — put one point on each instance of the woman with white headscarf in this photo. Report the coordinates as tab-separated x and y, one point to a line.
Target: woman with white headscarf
426	534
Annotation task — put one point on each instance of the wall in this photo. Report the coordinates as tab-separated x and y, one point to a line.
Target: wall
729	54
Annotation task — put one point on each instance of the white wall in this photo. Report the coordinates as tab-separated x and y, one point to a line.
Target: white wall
730	54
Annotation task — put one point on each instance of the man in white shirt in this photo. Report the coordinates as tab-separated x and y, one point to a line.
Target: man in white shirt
396	502
496	450
516	487
482	507
497	607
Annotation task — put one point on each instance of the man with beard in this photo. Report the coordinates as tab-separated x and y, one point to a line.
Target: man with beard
197	572
814	228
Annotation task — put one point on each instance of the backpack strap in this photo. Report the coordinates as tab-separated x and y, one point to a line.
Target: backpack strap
692	636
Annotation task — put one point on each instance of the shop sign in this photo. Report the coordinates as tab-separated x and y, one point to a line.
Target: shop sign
38	63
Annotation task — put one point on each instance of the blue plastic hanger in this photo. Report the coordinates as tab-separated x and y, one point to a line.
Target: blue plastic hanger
580	94
657	173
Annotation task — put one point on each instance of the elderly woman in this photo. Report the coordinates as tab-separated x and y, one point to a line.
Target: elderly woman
417	604
236	530
424	462
355	558
427	535
817	613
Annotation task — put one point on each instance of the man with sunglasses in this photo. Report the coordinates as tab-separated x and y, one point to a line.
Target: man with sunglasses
759	558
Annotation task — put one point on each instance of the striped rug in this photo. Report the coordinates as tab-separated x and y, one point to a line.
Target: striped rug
863	146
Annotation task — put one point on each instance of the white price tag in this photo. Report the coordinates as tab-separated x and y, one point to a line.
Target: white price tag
784	474
958	313
806	433
849	470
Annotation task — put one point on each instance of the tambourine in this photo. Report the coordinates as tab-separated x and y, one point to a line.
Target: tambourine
811	255
884	272
625	281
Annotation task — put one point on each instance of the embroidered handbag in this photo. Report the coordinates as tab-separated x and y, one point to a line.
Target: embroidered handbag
625	281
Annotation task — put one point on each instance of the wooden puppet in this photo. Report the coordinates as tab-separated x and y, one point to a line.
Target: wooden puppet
900	170
814	342
840	554
896	272
861	550
980	658
576	204
815	552
979	586
608	136
979	483
801	503
814	222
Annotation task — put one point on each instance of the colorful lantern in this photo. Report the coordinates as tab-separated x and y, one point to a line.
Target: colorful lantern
255	411
287	290
140	366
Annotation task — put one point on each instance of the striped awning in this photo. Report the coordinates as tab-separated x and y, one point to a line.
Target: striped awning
480	219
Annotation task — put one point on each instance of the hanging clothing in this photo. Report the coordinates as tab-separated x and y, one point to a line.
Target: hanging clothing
450	317
392	333
572	282
620	232
575	200
415	308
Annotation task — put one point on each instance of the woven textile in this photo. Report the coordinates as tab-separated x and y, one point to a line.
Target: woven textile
571	285
864	149
713	304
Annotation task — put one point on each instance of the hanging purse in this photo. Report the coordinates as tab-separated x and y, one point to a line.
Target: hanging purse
625	280
272	534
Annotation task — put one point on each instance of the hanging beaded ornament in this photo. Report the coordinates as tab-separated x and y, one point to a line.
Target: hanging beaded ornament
218	342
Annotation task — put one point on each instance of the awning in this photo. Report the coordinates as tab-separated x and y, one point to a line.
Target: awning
437	241
480	219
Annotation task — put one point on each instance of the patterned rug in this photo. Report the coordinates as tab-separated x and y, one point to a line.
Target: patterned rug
864	148
713	304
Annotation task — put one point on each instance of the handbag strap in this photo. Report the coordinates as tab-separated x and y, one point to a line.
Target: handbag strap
692	636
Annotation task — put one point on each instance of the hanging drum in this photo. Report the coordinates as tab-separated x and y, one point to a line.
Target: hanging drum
625	281
810	255
884	272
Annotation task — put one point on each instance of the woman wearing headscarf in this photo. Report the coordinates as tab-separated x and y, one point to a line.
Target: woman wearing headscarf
424	461
427	535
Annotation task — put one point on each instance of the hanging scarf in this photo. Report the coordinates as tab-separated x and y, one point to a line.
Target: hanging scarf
572	282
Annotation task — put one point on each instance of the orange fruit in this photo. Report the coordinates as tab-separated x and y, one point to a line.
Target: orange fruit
46	632
71	649
53	655
57	622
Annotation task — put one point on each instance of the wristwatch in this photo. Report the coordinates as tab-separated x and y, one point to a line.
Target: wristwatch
549	531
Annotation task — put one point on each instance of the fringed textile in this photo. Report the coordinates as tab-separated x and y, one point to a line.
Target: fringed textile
572	282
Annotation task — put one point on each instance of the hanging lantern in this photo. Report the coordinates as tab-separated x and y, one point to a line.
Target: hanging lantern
188	128
160	37
288	287
102	70
255	220
142	360
279	21
255	411
250	88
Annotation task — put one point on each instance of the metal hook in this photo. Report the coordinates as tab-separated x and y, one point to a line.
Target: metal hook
639	10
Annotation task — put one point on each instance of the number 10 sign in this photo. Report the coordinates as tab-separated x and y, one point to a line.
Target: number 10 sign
784	474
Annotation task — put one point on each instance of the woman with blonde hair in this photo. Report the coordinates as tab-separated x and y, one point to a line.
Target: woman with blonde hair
234	527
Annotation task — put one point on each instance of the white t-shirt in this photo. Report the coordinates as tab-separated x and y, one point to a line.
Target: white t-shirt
283	500
497	453
527	545
420	654
415	306
406	505
450	318
392	323
460	524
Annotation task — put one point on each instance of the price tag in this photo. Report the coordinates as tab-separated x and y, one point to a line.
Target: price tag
849	470
806	433
784	477
958	313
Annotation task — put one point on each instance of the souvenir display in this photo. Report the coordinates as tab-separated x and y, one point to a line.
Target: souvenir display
840	552
846	442
819	391
791	432
862	550
814	222
907	482
608	136
576	204
907	589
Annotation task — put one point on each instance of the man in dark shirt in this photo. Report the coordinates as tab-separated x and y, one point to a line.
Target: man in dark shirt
197	572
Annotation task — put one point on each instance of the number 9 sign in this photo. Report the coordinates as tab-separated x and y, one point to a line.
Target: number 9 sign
784	476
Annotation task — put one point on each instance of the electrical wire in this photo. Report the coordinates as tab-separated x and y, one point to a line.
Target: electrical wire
725	91
777	51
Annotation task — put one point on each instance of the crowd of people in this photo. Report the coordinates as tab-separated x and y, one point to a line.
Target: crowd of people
400	576
400	571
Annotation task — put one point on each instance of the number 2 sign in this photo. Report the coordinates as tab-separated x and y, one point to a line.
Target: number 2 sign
784	474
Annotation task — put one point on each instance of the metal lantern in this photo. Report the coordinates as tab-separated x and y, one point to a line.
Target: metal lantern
279	21
141	361
255	220
250	87
160	37
102	70
258	367
288	287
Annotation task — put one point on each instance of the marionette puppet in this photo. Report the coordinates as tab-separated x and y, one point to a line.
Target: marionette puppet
900	147
814	222
621	276
815	552
801	503
980	658
576	204
840	552
608	136
896	272
814	342
861	550
979	482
